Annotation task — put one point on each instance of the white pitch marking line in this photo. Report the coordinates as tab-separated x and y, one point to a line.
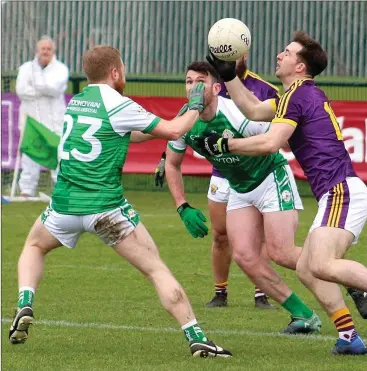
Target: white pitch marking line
115	268
171	329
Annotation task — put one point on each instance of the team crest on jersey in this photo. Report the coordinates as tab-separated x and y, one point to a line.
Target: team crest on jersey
213	189
227	134
46	214
131	213
286	196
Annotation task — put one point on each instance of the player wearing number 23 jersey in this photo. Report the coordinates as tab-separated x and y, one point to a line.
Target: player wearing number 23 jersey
98	122
88	196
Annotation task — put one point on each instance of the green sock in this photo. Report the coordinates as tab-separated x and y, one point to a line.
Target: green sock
297	307
193	332
25	298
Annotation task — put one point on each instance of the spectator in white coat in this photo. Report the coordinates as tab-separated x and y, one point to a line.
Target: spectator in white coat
40	86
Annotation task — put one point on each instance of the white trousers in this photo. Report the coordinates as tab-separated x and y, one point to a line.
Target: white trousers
30	175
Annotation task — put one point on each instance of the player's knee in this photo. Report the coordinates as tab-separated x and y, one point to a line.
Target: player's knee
302	268
321	270
248	262
278	255
37	248
156	271
220	239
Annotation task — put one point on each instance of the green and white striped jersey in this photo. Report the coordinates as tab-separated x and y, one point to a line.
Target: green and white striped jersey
96	135
244	173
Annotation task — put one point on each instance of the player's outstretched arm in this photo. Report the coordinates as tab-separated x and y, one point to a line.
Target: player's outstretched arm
258	145
193	219
139	137
248	103
176	128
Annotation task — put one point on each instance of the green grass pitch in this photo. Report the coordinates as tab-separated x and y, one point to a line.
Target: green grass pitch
95	312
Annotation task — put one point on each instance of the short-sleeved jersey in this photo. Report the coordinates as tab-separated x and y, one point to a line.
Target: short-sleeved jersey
317	141
244	173
259	87
96	135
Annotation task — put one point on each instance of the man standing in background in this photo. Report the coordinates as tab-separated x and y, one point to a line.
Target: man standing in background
40	86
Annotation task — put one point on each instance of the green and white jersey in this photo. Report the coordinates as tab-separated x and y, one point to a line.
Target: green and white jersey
96	135
244	173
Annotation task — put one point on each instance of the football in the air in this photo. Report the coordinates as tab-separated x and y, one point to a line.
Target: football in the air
229	39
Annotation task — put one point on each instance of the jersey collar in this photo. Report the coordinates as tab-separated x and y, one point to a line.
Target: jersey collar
300	81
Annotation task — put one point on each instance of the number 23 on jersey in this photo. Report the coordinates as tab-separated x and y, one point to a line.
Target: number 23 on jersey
94	145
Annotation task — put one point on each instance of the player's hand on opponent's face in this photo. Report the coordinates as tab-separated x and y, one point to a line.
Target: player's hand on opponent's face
194	220
196	98
212	144
160	171
226	70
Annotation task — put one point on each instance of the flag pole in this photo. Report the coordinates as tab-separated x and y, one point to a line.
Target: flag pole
17	162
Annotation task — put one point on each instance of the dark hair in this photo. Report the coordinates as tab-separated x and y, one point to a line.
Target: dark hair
204	67
99	61
312	54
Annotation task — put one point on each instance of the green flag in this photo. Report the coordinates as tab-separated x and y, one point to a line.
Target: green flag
40	143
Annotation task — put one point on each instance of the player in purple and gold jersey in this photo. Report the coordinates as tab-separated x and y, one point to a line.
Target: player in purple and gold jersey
218	195
304	118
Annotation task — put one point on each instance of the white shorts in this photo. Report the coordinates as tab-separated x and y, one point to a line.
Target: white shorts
344	206
110	226
218	189
278	192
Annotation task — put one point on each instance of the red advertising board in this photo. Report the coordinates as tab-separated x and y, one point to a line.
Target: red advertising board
143	157
351	115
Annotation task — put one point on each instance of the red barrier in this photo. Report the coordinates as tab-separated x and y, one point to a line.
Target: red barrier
352	119
143	157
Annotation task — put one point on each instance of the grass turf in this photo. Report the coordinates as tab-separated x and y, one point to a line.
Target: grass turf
112	318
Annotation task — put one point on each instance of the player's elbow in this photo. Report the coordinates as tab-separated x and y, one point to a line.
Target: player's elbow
271	144
272	147
251	115
174	135
166	130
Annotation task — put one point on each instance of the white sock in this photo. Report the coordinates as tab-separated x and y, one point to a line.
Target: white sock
24	288
189	324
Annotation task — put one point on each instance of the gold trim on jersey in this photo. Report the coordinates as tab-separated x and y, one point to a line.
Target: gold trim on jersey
284	121
273	104
245	75
284	100
336	206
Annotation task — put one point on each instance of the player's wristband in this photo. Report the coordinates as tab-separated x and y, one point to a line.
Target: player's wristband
223	145
182	207
229	75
